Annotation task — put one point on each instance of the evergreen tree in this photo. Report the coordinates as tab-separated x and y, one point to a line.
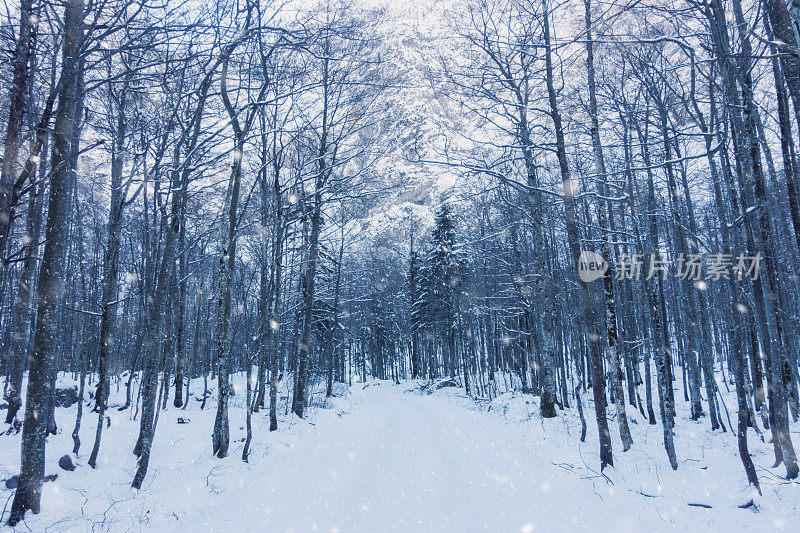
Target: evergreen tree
440	285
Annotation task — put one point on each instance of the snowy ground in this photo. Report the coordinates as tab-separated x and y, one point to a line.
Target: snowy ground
391	457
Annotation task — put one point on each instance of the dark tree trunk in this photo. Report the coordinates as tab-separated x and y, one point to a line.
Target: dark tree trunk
594	335
52	274
9	186
23	304
108	305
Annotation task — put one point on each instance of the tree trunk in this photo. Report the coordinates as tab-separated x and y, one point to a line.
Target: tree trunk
9	186
221	436
274	356
51	276
23	304
299	398
108	305
655	292
605	218
332	342
789	44
153	338
180	344
594	335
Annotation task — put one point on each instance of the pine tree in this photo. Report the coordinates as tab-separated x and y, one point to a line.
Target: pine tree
440	285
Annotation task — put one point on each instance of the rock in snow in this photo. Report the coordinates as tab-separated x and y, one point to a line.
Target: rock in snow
66	463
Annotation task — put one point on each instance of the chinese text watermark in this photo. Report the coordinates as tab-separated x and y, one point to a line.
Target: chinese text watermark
690	267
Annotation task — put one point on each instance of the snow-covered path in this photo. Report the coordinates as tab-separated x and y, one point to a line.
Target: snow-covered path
389	458
401	460
408	461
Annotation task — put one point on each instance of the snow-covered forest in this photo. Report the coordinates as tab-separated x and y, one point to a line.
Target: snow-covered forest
415	265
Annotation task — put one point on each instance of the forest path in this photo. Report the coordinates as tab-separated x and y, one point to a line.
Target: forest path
407	461
401	460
